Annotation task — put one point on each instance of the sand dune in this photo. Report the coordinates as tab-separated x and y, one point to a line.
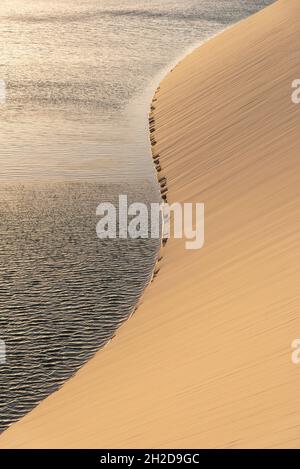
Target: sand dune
206	361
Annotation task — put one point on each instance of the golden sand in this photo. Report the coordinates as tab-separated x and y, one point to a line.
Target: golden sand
206	361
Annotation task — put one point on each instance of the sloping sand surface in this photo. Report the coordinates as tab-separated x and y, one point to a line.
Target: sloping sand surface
206	361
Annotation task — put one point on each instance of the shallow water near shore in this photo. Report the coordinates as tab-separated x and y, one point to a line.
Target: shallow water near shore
73	134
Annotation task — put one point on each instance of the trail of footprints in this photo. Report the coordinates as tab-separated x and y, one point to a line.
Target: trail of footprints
162	180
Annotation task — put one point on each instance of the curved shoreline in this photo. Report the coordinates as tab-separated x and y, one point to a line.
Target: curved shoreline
206	362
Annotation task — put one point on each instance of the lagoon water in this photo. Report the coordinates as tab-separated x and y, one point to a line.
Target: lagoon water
79	75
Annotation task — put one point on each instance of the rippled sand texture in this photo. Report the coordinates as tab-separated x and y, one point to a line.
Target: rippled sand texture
63	291
206	361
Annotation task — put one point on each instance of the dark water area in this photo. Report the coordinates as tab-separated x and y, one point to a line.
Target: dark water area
63	291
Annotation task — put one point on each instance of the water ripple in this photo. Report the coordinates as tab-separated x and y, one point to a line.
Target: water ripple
63	292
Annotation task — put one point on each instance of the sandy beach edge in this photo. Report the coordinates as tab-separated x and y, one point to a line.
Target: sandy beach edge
206	361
